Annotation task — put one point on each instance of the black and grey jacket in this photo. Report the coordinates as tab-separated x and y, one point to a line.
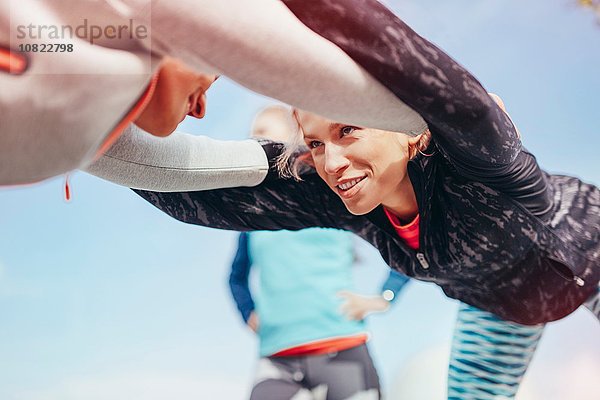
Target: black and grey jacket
496	231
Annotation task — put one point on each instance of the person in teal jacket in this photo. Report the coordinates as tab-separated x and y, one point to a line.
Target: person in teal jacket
309	321
308	318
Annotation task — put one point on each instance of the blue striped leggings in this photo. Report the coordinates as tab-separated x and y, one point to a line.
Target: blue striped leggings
490	356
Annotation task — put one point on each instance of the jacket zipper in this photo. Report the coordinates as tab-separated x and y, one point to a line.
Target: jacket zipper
576	279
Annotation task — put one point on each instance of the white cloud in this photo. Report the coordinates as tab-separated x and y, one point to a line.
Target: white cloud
153	385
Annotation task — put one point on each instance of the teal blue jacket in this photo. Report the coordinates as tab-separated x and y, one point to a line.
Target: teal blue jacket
301	273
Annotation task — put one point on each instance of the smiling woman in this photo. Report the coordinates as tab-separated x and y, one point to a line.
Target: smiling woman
365	167
494	230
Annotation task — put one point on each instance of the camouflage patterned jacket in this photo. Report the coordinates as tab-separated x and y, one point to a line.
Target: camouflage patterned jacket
496	231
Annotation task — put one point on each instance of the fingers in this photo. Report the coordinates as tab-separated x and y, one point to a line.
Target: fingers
500	104
354	306
498	101
253	322
352	312
350	308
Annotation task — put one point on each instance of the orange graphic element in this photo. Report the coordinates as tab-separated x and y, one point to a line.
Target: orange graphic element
131	116
12	61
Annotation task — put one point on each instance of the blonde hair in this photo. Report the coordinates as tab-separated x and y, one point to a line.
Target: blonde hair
295	151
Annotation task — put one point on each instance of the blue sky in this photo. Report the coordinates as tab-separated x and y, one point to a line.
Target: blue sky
105	297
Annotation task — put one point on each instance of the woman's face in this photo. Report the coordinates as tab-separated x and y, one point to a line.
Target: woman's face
180	91
365	167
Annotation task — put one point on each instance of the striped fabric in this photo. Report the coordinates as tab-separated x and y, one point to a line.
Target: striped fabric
489	356
593	304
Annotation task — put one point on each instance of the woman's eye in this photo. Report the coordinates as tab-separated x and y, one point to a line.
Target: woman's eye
314	144
346	130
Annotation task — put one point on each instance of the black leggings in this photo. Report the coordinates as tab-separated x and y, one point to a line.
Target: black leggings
333	376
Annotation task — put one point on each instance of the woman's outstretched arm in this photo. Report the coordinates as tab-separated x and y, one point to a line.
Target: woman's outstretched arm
262	45
461	116
210	196
180	162
273	205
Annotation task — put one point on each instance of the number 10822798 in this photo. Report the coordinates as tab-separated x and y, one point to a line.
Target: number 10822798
46	48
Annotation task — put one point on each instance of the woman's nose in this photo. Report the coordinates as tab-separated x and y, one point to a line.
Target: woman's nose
335	159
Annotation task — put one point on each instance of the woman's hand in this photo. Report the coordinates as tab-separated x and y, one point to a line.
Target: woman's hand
253	322
500	103
357	307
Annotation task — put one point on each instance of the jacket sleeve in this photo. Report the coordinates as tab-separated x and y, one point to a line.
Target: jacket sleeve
275	204
238	278
463	119
393	285
261	45
180	162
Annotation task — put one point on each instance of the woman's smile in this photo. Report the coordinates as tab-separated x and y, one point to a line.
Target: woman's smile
347	188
